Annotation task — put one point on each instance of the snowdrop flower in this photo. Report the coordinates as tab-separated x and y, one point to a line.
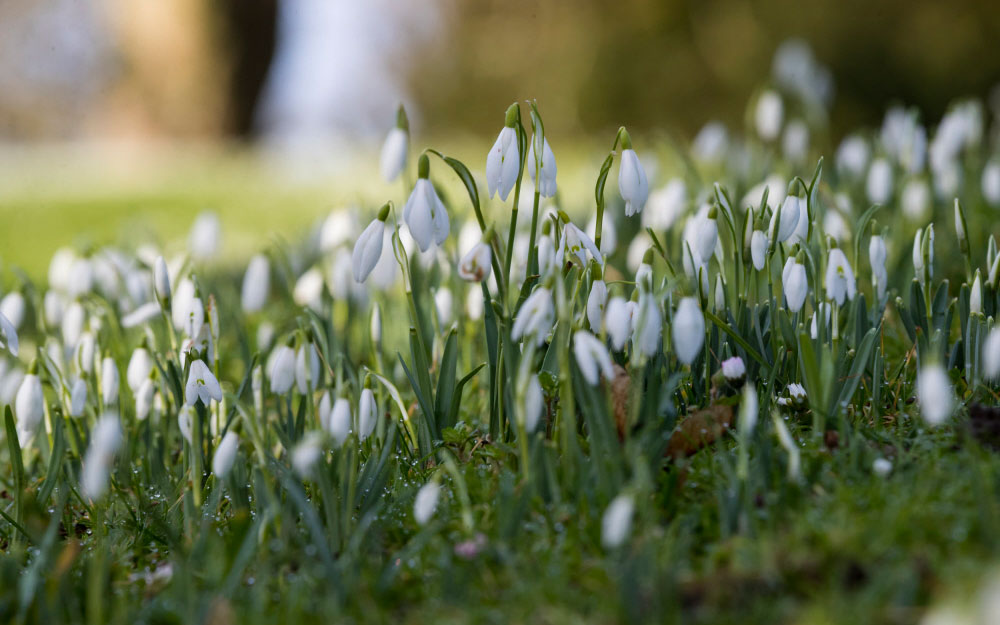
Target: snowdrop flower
876	256
801	232
840	281
795	141
29	406
141	315
618	321
201	385
852	156
281	376
256	284
308	289
991	355
609	233
544	177
705	234
711	142
796	396
194	317
879	183
535	318
8	335
648	325
688	330
503	163
916	200
632	183
758	249
617	521
578	243
769	115
991	183
644	274
474	304
54	306
476	265
424	213
546	254
225	455
307	453
78	398
786	223
12	307
934	393
367	413
795	284
161	280
976	295
109	381
84	353
748	410
339	425
443	305
596	302
144	399
592	357
881	467
307	368
205	235
426	502
392	161
665	205
185	420
105	440
140	365
368	249
534	404
734	369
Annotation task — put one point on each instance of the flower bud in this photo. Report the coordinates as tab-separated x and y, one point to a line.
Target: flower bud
688	330
225	455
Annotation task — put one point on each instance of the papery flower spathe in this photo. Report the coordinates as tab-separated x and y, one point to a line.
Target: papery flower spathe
632	183
545	178
688	330
535	317
592	357
256	284
392	160
935	394
840	282
201	385
476	265
424	213
503	163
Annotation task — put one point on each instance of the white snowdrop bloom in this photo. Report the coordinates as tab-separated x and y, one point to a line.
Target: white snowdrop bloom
205	236
702	235
776	187
769	115
201	385
12	307
477	265
307	368
935	395
426	502
11	376
308	289
592	357
748	410
392	160
307	453
647	328
787	222
976	295
161	279
534	403
991	183
535	318
225	455
324	409
665	205
256	284
78	398
695	267
368	250
796	286
180	307
367	413
616	524
852	156
144	399
876	257
105	440
281	375
81	277
60	267
879	183
881	467
140	365
8	335
109	381
425	215
503	163
578	243
632	183
444	304
991	355
840	281
84	352
54	306
545	178
795	141
474	304
801	231
609	232
29	408
265	336
825	314
688	330
836	225
546	254
141	315
734	368
618	321
758	249
193	317
711	142
720	294
339	425
596	302
338	228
